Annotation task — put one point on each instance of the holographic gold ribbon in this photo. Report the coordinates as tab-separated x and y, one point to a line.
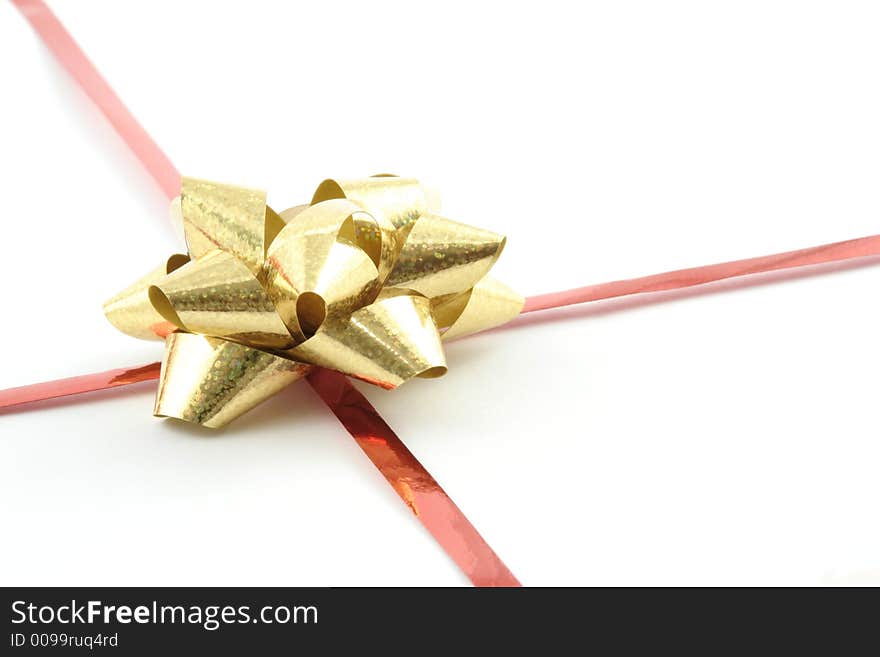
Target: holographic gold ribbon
365	280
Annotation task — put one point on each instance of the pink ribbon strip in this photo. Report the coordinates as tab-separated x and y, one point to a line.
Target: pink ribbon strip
78	384
412	482
683	278
410	479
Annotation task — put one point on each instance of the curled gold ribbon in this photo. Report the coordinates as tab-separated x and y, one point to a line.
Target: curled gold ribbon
364	280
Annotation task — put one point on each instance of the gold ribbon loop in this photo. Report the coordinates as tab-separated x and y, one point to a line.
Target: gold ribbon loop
441	256
211	381
132	312
364	280
234	219
399	200
488	304
386	343
320	253
218	295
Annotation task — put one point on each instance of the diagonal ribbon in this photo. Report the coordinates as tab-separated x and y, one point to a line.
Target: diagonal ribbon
839	252
409	478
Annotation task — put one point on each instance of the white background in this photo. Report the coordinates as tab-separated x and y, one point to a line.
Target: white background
725	438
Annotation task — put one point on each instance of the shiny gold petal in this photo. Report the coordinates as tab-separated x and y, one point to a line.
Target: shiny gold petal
384	198
320	265
233	219
399	200
131	310
443	257
211	381
218	295
386	343
490	303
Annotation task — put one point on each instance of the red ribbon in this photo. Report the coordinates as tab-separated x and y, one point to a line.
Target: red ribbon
412	482
78	384
838	252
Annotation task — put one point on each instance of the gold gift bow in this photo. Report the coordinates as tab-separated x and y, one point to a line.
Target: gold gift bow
365	280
